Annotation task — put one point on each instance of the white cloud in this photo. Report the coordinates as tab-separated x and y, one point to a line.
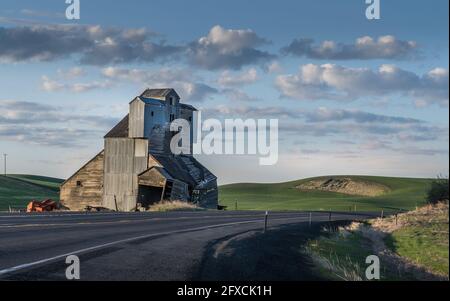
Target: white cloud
227	49
228	79
42	124
95	45
364	48
340	83
50	85
187	85
71	73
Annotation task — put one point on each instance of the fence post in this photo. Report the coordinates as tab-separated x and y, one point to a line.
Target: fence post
310	219
266	217
236	206
396	219
382	213
115	202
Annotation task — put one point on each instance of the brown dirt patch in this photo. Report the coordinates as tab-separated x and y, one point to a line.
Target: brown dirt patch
346	186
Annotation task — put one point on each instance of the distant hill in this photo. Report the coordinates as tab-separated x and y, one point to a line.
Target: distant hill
18	190
329	192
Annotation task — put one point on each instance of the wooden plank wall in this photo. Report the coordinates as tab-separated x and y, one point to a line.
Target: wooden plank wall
90	192
179	191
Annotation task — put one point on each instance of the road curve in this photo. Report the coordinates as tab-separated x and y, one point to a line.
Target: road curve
127	246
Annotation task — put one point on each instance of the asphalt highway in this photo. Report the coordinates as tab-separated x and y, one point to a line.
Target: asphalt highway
128	246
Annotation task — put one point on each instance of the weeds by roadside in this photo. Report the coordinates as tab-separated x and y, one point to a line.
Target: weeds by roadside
173	206
411	246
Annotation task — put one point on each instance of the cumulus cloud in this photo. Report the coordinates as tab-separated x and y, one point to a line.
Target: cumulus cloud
17	112
98	45
187	85
50	85
349	125
228	78
43	124
336	82
364	48
94	45
227	49
238	95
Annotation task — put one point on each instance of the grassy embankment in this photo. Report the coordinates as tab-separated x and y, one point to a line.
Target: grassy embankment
412	247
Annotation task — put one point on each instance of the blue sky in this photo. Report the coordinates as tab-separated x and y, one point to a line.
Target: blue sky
353	96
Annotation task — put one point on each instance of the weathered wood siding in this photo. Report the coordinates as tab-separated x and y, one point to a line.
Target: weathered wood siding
136	119
125	158
152	178
209	195
179	191
90	192
153	162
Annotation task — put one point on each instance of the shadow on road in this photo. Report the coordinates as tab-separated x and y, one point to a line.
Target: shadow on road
253	255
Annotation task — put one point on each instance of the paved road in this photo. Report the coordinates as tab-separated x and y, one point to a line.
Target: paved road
127	246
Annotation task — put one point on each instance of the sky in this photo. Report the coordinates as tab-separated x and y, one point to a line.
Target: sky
352	95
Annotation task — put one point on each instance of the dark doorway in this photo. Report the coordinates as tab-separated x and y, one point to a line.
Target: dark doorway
149	195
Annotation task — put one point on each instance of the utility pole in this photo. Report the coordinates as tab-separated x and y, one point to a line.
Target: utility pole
5	155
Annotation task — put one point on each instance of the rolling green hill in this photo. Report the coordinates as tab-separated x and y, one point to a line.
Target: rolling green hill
18	190
402	193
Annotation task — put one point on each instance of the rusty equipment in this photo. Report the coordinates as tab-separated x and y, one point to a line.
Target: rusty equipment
44	206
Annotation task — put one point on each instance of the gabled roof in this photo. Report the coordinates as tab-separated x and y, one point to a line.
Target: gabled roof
151	93
175	167
69	178
120	130
185	168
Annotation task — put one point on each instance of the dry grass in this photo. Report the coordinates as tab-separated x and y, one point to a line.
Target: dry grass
346	186
173	206
419	238
412	247
424	216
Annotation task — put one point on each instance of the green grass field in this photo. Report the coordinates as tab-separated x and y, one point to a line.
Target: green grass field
18	190
424	239
405	193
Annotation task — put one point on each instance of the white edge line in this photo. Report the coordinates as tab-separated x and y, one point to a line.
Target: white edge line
31	264
35	263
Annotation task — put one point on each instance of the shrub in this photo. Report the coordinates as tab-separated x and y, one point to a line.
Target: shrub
438	191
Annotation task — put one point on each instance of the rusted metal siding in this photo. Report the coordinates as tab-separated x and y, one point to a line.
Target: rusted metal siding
125	158
90	188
